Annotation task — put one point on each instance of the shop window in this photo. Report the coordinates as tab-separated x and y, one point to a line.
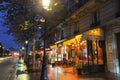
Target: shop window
59	57
91	52
73	53
97	52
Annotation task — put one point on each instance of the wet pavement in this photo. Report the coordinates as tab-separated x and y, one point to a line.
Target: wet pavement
3	59
21	71
66	73
7	68
61	73
14	69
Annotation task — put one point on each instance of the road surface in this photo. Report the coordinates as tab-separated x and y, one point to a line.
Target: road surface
7	68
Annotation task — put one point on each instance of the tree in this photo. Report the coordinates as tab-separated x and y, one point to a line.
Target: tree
1	49
18	12
15	17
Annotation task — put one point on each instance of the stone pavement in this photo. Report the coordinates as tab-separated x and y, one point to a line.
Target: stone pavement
66	73
7	68
12	72
60	73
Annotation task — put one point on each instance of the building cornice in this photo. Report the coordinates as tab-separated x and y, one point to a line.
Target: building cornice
85	10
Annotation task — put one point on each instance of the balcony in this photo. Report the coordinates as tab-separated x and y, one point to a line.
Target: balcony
88	7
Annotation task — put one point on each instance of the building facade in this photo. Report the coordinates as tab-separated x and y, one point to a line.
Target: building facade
92	33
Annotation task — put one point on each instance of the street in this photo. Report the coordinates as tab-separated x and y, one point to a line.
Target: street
59	39
7	68
14	69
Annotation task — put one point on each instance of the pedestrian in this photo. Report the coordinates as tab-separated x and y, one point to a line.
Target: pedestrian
65	61
39	64
37	57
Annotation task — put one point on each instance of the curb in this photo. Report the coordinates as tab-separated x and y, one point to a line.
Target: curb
4	58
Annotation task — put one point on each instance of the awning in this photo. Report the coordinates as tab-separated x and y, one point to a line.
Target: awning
96	33
73	40
53	46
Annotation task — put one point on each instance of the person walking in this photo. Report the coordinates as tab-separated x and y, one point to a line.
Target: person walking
37	57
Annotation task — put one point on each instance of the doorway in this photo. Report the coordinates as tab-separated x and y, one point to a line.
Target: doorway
118	45
93	60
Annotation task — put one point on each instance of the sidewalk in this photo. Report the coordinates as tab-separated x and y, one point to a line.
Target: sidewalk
7	68
12	72
60	73
66	73
21	73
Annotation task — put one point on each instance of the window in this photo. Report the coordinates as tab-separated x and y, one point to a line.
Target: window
95	19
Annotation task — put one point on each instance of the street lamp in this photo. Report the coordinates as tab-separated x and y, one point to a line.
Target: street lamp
26	42
44	64
23	48
26	46
46	4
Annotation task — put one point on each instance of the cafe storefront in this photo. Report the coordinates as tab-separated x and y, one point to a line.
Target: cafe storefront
88	49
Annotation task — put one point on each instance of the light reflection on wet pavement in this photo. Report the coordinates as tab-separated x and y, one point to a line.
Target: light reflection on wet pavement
54	73
60	73
66	73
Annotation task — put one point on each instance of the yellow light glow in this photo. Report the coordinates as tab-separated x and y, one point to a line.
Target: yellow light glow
78	36
53	46
46	3
23	48
56	4
69	41
26	42
96	32
73	45
42	20
49	9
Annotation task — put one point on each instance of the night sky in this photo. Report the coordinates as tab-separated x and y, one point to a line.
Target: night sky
5	39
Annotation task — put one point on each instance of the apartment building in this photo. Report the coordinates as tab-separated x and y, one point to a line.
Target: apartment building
92	33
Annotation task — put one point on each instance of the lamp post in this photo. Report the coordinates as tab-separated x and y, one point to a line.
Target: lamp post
26	44
23	50
26	48
44	64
